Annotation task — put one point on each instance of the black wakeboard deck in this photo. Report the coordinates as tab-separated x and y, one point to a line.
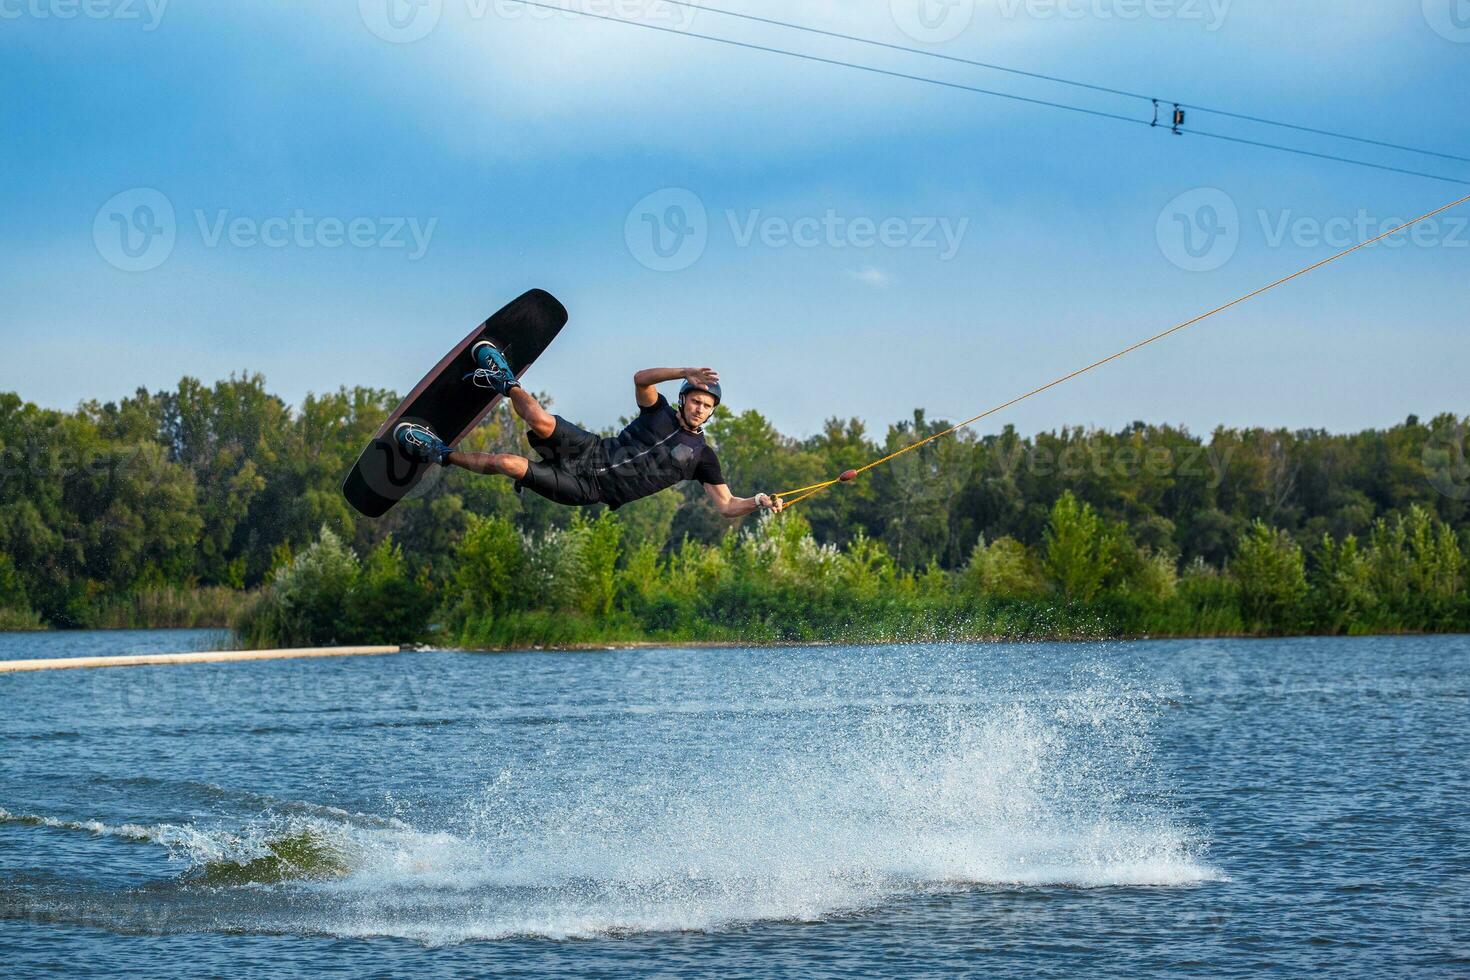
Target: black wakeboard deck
448	403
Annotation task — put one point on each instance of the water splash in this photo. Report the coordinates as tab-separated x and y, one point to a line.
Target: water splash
817	806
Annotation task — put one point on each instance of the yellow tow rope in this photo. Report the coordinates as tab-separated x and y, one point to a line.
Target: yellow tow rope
807	491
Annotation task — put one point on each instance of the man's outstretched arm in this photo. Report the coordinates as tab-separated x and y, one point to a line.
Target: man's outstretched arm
731	506
645	380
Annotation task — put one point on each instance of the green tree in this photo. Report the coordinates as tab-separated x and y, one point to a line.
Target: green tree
138	519
308	603
866	570
1004	568
12	588
837	516
1270	571
1416	569
387	604
492	563
600	546
915	493
1342	586
1081	552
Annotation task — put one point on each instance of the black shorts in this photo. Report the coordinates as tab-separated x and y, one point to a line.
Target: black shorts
569	458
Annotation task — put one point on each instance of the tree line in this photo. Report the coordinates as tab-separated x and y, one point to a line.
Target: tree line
214	504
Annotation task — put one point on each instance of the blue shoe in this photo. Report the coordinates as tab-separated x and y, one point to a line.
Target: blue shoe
492	370
419	442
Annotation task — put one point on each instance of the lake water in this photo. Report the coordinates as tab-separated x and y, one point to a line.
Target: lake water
1223	807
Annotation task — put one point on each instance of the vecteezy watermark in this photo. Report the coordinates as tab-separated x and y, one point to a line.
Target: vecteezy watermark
22	467
1209	13
834	230
302	230
1308	231
938	21
932	21
668	231
1447	462
1208	463
1450	19
401	21
940	476
1200	230
127	693
407	21
389	473
147	12
136	231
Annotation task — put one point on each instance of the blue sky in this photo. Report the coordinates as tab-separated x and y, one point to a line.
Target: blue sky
525	149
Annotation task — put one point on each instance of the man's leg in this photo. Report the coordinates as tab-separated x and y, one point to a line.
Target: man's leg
542	425
542	422
420	442
506	464
551	482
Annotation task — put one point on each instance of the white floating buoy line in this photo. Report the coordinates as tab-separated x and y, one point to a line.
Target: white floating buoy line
214	657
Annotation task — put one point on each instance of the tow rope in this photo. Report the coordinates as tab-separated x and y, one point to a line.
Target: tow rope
799	494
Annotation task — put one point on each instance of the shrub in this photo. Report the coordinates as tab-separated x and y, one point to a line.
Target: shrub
1415	567
491	566
1209	602
1270	572
600	543
15	610
1342	587
326	596
865	569
387	605
15	619
1003	569
173	607
12	588
1080	552
305	603
1153	577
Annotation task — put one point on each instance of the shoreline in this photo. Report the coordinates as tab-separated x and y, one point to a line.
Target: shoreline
977	641
694	644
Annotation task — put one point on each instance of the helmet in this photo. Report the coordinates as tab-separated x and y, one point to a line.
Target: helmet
712	389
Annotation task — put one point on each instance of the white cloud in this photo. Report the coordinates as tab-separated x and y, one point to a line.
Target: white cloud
496	79
870	275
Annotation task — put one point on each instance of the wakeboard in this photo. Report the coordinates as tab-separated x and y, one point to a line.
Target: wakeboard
448	402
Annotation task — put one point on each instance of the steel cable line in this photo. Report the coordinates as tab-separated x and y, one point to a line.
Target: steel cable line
1056	79
975	89
873	69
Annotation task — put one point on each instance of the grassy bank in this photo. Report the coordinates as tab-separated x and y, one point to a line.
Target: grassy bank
165	607
774	583
173	607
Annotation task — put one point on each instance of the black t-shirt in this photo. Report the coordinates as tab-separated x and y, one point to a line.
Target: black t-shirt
653	453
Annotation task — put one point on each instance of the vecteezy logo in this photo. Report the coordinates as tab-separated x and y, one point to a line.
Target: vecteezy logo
667	230
1199	230
389	473
1449	18
401	21
932	21
1445	464
135	231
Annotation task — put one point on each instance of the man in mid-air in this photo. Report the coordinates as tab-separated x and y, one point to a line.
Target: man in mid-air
658	449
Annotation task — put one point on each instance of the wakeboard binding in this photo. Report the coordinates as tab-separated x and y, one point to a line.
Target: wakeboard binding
492	370
421	443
